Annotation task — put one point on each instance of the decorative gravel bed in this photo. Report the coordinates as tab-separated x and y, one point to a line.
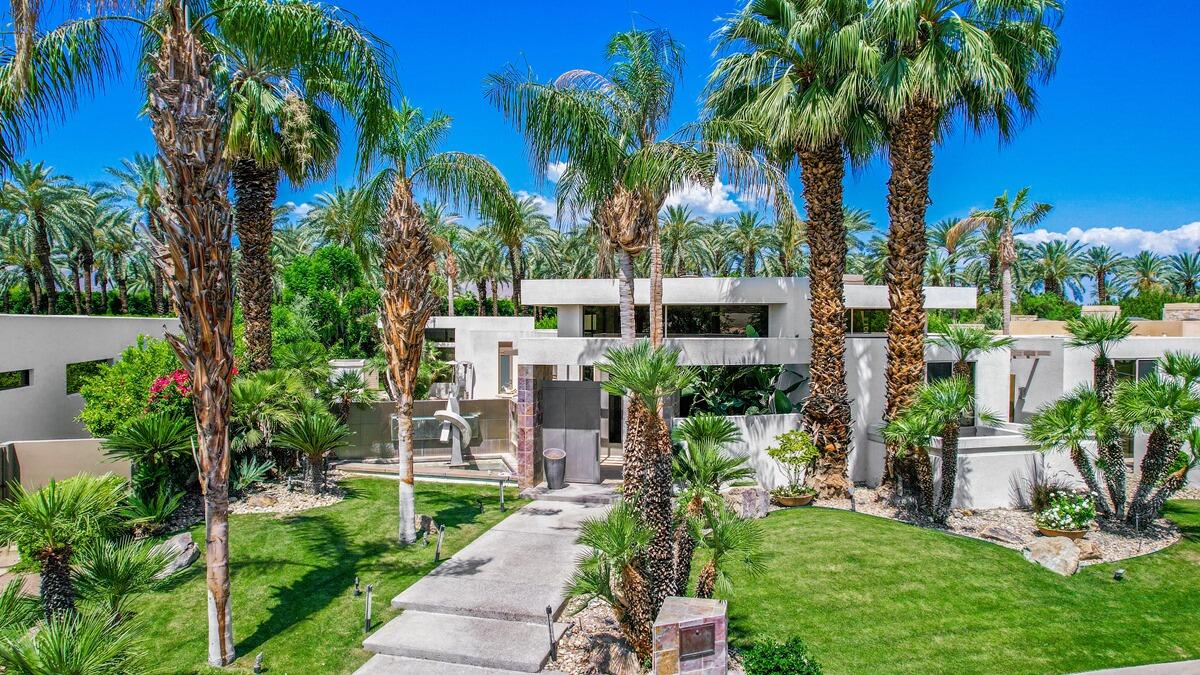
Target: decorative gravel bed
1013	528
592	643
268	497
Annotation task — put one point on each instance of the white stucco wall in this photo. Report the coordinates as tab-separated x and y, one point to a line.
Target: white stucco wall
45	345
758	434
477	340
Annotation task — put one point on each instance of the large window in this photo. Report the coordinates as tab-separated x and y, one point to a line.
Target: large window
506	375
683	320
1135	369
439	335
866	320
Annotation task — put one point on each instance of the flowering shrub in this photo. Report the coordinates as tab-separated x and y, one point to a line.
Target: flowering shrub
1068	510
171	393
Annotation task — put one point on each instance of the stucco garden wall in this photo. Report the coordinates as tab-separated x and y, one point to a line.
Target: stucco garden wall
34	463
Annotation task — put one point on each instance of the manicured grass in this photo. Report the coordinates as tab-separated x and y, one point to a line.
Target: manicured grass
876	596
293	578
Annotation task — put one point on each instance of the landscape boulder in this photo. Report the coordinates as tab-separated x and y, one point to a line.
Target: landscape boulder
750	501
1088	549
261	501
1057	554
1001	534
183	552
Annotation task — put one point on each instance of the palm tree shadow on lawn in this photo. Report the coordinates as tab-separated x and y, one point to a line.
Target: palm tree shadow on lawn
341	561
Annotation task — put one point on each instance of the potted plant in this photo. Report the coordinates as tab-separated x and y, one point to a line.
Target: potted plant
796	453
1067	514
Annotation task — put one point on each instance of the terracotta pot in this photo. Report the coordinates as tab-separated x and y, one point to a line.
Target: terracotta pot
1070	534
802	500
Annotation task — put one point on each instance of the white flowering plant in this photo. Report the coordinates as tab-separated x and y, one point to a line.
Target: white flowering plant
1068	510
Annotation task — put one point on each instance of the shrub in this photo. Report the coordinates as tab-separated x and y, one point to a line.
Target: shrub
159	448
121	391
1149	304
774	657
1068	510
148	515
1047	306
796	452
1041	490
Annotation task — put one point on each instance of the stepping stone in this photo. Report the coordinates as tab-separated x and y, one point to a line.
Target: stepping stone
381	664
464	640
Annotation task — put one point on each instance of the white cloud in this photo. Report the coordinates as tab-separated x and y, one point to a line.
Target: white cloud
717	200
1126	240
554	171
299	211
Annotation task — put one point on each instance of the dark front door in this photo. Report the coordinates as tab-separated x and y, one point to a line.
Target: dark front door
571	421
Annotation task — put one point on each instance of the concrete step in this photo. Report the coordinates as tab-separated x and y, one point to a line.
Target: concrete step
464	640
381	664
487	598
578	493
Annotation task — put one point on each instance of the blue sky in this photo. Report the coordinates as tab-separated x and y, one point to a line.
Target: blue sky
1114	147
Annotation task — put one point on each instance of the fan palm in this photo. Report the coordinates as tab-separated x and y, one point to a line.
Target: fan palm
940	57
1059	263
85	643
647	374
965	342
1101	333
314	436
347	389
798	71
261	403
1100	262
53	522
114	573
277	88
408	256
1067	424
153	444
729	540
1164	408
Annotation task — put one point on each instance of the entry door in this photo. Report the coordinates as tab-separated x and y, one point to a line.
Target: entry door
571	421
616	418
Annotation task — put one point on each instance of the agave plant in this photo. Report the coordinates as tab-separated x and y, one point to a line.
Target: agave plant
111	574
51	523
315	436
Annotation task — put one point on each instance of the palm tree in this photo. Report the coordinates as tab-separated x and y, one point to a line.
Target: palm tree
1100	262
798	72
347	389
1145	271
1184	272
139	185
1067	424
277	92
927	72
646	375
965	342
607	127
748	237
152	444
408	256
1163	407
954	237
260	403
45	203
728	539
1102	333
447	235
314	436
114	573
611	571
1006	217
940	405
527	223
479	263
678	230
1059	263
83	643
116	242
53	522
348	217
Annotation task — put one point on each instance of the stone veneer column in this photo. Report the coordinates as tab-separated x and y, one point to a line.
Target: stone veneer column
528	421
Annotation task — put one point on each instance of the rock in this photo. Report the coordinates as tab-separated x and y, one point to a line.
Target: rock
426	525
183	550
1002	534
261	501
1088	549
750	501
1057	554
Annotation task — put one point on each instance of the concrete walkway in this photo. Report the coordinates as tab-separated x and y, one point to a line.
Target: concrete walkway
483	611
1176	668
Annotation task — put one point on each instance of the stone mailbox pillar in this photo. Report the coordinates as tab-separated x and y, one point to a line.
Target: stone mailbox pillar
689	637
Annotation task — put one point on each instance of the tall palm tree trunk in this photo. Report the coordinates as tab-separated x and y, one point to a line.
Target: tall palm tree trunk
156	279
481	293
949	471
122	284
56	590
41	249
911	159
1102	287
1008	256
103	294
514	267
495	297
31	282
76	286
625	296
408	302
657	326
254	190
194	256
88	259
452	282
827	409
1161	450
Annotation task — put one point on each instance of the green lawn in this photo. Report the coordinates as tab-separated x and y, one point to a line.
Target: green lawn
293	578
876	596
